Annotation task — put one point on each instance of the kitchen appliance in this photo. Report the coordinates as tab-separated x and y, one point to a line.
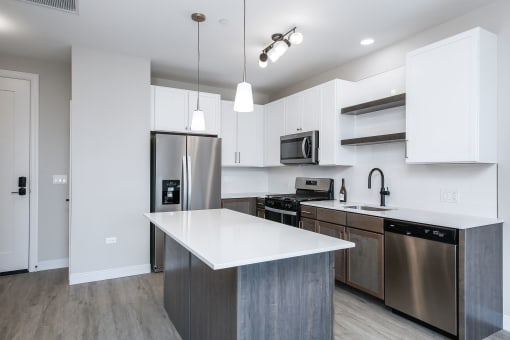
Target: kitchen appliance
300	148
185	175
421	272
286	208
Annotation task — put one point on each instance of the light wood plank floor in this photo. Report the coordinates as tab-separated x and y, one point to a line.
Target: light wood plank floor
43	306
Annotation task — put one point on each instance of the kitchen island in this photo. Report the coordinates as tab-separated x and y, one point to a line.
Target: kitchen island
233	276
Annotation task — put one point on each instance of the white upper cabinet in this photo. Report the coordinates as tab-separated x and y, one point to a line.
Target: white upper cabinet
274	128
241	134
451	109
333	126
293	112
302	111
172	110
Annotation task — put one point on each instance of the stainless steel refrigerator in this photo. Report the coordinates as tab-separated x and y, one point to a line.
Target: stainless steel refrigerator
185	175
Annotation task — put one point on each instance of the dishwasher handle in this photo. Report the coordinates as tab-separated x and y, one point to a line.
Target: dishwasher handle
433	233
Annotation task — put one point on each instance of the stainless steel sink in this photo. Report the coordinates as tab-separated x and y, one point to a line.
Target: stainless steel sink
366	207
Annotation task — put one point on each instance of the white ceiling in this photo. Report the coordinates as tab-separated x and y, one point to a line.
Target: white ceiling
162	30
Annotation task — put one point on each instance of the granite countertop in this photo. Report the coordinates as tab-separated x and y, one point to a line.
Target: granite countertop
223	238
412	215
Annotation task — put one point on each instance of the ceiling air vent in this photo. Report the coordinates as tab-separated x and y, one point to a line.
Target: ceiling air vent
63	5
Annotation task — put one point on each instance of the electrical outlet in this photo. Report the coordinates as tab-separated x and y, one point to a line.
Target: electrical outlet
110	240
449	196
59	179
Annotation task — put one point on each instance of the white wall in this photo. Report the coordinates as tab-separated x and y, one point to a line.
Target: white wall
476	183
110	156
54	96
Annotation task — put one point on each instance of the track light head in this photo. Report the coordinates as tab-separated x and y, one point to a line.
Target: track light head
280	45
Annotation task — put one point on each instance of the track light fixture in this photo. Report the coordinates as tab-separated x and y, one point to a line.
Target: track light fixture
280	45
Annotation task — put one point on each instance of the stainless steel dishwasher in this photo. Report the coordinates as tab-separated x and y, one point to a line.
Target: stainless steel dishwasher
421	272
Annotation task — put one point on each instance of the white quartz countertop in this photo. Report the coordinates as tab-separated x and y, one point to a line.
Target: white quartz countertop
243	194
412	215
223	238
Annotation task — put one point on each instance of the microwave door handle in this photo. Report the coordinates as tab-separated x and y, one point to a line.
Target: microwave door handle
303	147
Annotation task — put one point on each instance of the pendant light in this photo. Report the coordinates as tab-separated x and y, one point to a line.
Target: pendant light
244	97
197	119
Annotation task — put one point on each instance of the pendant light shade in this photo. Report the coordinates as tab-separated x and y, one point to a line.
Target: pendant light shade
244	97
197	119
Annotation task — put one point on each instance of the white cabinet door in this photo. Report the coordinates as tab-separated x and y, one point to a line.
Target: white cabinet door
228	134
312	108
293	110
170	109
274	127
451	107
210	105
249	137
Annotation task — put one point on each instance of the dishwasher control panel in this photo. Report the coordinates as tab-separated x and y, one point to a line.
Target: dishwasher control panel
434	233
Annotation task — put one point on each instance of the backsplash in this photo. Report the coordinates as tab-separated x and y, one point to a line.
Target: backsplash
411	186
241	180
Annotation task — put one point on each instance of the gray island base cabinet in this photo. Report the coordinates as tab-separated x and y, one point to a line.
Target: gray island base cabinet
228	275
282	299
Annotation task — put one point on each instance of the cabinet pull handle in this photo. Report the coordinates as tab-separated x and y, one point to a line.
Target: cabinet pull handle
406	149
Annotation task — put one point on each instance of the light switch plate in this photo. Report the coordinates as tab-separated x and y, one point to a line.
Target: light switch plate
59	179
449	196
110	240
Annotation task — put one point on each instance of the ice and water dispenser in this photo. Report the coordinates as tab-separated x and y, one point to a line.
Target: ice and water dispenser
171	191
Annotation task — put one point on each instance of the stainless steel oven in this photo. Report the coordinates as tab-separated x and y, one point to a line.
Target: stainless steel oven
300	148
283	216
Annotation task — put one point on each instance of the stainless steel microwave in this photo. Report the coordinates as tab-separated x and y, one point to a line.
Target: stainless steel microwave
300	148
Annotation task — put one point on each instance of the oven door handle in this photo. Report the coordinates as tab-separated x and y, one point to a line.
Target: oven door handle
285	212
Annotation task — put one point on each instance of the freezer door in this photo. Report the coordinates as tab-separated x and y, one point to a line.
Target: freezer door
167	190
168	161
204	167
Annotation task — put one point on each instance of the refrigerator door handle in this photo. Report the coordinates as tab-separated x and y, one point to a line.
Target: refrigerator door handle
188	182
184	198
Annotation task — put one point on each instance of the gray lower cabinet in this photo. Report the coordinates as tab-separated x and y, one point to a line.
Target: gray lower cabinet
337	231
361	267
308	224
365	262
261	207
245	205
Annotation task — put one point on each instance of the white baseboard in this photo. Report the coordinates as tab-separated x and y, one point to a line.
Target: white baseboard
107	274
506	322
52	264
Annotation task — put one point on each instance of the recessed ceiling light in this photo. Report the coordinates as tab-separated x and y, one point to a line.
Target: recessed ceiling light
223	21
366	42
5	25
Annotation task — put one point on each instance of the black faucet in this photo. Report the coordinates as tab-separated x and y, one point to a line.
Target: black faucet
383	192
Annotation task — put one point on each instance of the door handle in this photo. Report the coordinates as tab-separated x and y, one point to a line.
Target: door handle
184	192
189	182
21	192
303	147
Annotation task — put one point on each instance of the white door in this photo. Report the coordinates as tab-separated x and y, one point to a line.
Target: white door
14	163
228	134
170	109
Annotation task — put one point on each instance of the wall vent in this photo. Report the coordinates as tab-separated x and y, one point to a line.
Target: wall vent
63	5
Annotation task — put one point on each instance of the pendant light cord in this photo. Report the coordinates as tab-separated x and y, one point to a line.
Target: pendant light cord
244	40
198	68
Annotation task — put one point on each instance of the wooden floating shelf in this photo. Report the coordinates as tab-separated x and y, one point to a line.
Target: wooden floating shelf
389	138
376	105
